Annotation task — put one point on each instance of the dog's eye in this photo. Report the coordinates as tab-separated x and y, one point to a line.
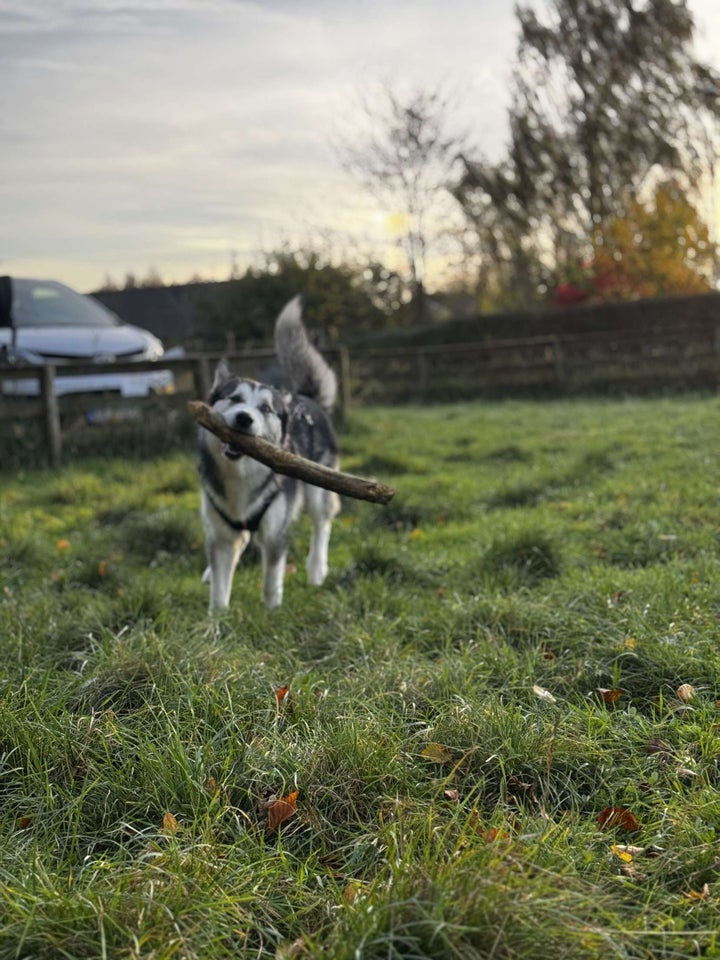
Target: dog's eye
266	408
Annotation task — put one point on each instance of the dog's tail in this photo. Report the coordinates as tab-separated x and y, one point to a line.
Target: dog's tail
306	369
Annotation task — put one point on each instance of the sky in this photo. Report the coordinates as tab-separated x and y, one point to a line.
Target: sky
186	137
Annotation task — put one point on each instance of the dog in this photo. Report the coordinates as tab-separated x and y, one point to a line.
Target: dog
242	497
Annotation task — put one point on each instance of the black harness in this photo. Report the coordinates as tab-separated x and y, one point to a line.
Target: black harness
252	523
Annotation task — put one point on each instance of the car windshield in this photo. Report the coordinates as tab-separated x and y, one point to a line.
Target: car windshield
44	303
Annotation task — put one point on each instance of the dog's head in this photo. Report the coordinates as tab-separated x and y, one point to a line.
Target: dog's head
248	406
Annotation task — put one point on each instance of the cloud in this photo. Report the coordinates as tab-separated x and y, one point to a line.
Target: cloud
157	132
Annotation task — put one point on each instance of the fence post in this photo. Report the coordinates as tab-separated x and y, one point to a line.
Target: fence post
344	359
560	370
422	360
201	377
51	414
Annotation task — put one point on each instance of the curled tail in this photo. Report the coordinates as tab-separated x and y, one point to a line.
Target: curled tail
306	369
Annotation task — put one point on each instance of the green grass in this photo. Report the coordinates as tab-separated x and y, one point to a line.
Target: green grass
566	547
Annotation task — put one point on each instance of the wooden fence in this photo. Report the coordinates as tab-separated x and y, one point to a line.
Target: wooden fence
684	358
61	416
632	362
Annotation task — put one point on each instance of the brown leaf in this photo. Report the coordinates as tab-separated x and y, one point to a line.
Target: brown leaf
170	822
278	811
24	823
686	692
452	795
437	753
352	891
211	785
660	749
618	817
608	696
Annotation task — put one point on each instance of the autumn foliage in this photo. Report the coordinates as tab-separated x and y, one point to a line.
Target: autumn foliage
658	247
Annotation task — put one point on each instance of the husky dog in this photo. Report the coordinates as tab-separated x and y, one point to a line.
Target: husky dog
241	496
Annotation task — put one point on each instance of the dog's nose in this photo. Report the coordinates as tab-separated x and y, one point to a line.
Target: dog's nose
242	421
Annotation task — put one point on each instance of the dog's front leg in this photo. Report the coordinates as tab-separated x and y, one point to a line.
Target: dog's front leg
223	556
274	557
322	507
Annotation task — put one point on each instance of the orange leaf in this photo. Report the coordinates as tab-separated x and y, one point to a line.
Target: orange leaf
495	833
63	544
170	823
703	894
608	696
281	694
278	811
618	817
102	568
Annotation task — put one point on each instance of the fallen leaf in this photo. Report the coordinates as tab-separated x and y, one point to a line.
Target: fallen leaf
608	696
102	568
626	851
687	772
631	870
352	891
686	692
278	811
170	822
622	853
211	786
437	753
24	823
703	894
618	817
289	951
495	833
543	694
452	795
63	544
660	749
281	694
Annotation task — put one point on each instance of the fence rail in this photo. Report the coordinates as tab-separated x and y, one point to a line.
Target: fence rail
631	361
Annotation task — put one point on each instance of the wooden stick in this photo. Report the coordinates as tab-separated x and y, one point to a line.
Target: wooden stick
290	464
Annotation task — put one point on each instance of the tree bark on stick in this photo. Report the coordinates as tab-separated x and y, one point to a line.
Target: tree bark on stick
290	464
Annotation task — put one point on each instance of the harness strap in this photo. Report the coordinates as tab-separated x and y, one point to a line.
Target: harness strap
252	523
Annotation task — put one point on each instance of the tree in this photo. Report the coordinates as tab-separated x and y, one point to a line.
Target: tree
657	248
340	300
405	161
606	93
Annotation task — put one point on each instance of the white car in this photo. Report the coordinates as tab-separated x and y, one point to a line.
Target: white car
43	322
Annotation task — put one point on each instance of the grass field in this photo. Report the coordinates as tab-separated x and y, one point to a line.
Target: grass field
501	733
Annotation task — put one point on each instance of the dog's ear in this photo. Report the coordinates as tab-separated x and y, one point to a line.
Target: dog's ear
222	375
